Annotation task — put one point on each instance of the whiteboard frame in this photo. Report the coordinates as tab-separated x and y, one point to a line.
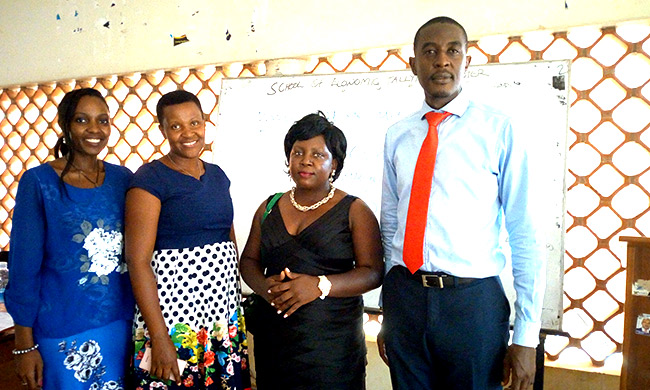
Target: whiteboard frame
245	106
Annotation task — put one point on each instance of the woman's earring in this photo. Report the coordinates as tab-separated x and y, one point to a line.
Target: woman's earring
332	176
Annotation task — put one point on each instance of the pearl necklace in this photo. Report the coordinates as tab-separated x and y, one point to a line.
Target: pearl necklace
315	205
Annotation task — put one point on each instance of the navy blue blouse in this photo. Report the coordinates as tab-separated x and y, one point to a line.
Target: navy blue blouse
66	272
192	212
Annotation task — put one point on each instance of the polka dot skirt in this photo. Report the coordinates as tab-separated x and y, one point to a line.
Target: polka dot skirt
196	286
199	295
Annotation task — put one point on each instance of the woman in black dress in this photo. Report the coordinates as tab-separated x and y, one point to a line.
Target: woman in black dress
310	258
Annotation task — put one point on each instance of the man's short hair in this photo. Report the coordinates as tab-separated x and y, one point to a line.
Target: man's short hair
439	19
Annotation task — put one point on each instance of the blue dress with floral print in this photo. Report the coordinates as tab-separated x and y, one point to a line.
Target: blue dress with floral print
68	279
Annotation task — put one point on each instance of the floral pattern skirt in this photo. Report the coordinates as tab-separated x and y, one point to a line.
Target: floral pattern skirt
95	359
199	294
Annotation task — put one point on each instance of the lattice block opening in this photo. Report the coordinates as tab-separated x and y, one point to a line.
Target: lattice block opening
560	50
614	328
604	222
608	50
516	52
631	158
582	200
598	346
608	94
493	44
616	286
606	180
630	201
478	57
583	159
585	73
633	115
633	32
633	70
578	323
601	306
538	40
584	116
602	264
578	283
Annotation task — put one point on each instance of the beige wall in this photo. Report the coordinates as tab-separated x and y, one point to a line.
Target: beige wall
61	39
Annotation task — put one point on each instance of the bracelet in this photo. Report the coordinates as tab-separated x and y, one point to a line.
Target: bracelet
324	285
23	351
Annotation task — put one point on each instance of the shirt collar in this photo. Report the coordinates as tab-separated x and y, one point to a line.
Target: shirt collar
457	106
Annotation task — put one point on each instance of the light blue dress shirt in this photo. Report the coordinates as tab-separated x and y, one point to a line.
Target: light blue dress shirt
483	180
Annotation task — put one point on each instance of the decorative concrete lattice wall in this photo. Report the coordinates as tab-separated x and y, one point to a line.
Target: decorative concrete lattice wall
608	160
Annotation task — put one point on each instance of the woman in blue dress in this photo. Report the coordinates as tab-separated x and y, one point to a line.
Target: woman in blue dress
69	293
180	248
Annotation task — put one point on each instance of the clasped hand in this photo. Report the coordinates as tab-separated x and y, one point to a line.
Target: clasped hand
288	291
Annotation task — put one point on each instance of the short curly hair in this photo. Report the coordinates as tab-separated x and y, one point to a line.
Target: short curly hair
313	125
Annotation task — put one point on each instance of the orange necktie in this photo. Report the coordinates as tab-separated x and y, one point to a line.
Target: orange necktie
416	218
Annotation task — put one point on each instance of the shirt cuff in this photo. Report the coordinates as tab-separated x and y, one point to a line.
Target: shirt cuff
21	314
526	334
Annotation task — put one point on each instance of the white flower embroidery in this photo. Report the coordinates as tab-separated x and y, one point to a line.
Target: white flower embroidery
84	374
111	385
89	348
86	362
95	361
104	248
72	361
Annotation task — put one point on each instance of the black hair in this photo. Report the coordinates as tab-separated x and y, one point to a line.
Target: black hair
313	125
439	19
173	98
66	111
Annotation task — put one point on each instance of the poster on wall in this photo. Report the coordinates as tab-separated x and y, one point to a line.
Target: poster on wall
643	325
641	287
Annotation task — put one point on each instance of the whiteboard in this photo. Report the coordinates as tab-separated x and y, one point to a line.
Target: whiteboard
255	114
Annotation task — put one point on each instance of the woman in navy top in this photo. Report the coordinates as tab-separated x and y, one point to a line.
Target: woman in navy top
69	293
183	263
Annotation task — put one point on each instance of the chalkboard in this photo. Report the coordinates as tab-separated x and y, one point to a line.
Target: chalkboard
255	114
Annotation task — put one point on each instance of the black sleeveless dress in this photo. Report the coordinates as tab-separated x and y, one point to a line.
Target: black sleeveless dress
322	344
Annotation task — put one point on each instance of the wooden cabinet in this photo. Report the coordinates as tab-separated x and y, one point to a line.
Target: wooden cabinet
635	373
8	378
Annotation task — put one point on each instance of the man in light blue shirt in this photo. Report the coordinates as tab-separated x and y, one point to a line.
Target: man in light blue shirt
446	325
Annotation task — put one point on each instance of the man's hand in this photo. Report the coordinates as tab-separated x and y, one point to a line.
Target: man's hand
381	345
520	362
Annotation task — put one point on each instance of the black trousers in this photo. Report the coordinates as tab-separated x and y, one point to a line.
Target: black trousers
450	338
